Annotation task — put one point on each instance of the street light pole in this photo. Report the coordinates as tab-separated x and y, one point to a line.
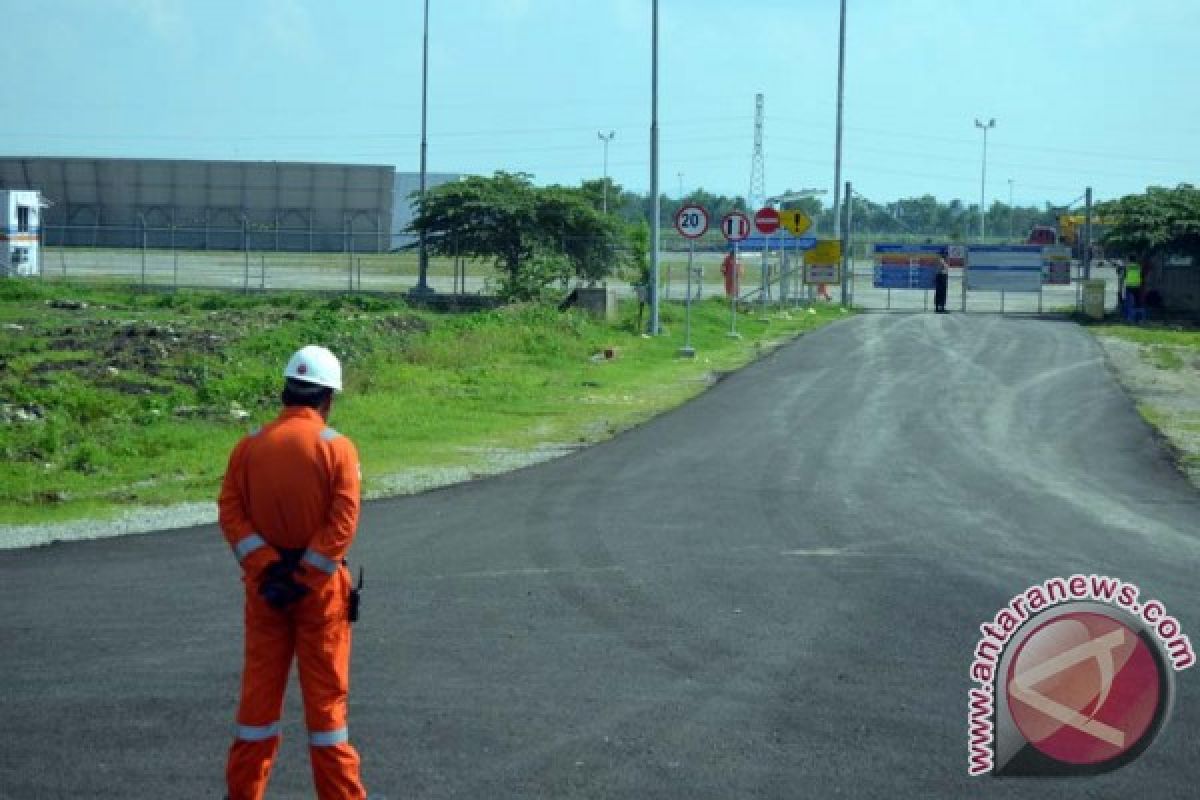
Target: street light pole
837	155
654	223
606	140
983	180
422	287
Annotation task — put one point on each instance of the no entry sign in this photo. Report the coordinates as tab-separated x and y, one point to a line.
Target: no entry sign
691	221
766	220
735	226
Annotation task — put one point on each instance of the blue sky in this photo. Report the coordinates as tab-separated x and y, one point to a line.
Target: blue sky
1084	92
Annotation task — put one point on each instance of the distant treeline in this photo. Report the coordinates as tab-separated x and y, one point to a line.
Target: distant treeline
909	216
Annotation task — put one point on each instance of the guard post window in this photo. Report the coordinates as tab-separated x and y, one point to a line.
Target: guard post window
22	219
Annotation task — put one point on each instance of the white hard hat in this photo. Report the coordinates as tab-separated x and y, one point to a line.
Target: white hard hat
316	365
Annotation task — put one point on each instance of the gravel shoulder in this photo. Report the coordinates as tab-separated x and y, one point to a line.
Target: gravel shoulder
482	463
1167	397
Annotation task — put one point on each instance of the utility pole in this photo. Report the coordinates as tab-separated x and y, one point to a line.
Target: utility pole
606	140
837	151
847	257
983	180
680	174
422	287
1087	234
654	222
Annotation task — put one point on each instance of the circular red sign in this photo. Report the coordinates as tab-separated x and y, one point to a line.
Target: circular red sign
766	220
1084	688
691	221
735	226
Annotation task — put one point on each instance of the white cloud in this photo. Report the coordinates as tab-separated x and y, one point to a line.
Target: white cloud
166	19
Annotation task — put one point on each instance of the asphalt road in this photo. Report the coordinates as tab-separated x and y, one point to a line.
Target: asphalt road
701	608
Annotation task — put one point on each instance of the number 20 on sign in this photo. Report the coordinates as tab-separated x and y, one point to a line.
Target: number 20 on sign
691	221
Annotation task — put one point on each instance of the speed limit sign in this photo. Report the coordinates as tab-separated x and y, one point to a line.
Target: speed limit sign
691	221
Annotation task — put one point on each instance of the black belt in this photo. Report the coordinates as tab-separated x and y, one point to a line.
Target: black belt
291	556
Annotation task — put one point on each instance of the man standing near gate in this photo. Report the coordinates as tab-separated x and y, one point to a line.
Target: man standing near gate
289	509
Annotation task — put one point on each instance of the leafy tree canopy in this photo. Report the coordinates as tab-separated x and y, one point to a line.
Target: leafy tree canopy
1158	222
551	231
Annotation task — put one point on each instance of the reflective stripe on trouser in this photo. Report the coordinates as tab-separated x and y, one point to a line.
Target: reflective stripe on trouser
247	545
317	632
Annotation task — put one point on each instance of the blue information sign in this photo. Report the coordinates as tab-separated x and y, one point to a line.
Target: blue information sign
907	266
1005	268
755	244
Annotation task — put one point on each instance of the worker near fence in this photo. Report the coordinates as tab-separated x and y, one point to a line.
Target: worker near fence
1133	283
289	509
941	286
732	270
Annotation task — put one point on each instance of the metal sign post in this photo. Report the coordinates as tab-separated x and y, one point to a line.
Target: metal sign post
735	226
766	220
692	222
737	287
687	351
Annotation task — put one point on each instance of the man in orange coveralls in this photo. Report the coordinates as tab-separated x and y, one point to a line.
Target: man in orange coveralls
733	270
289	509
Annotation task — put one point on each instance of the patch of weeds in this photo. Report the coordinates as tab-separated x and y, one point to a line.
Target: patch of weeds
1163	357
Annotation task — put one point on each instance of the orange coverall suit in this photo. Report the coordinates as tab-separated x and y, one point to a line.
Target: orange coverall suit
733	270
294	484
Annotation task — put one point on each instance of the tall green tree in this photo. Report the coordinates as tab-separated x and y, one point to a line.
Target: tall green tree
533	235
490	218
1159	222
588	239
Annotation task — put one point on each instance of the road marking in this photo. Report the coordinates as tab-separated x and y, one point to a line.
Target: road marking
820	551
511	573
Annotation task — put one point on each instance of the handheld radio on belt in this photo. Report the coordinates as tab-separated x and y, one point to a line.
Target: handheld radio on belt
356	597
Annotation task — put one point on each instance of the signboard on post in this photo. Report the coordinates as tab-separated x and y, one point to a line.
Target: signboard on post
1004	268
691	221
766	220
753	244
795	221
823	263
1056	261
906	266
735	226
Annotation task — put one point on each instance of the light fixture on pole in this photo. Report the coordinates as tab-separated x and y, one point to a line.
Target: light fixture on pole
606	138
991	123
422	287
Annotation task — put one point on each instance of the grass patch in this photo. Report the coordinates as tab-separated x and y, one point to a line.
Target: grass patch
1163	357
137	398
1152	415
1172	336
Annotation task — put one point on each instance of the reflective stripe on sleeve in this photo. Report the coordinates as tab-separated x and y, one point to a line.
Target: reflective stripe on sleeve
328	738
248	545
257	733
326	565
329	434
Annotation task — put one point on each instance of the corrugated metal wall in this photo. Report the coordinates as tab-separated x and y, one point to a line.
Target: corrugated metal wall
217	205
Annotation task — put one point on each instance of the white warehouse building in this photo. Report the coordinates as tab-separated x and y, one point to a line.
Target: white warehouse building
218	205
